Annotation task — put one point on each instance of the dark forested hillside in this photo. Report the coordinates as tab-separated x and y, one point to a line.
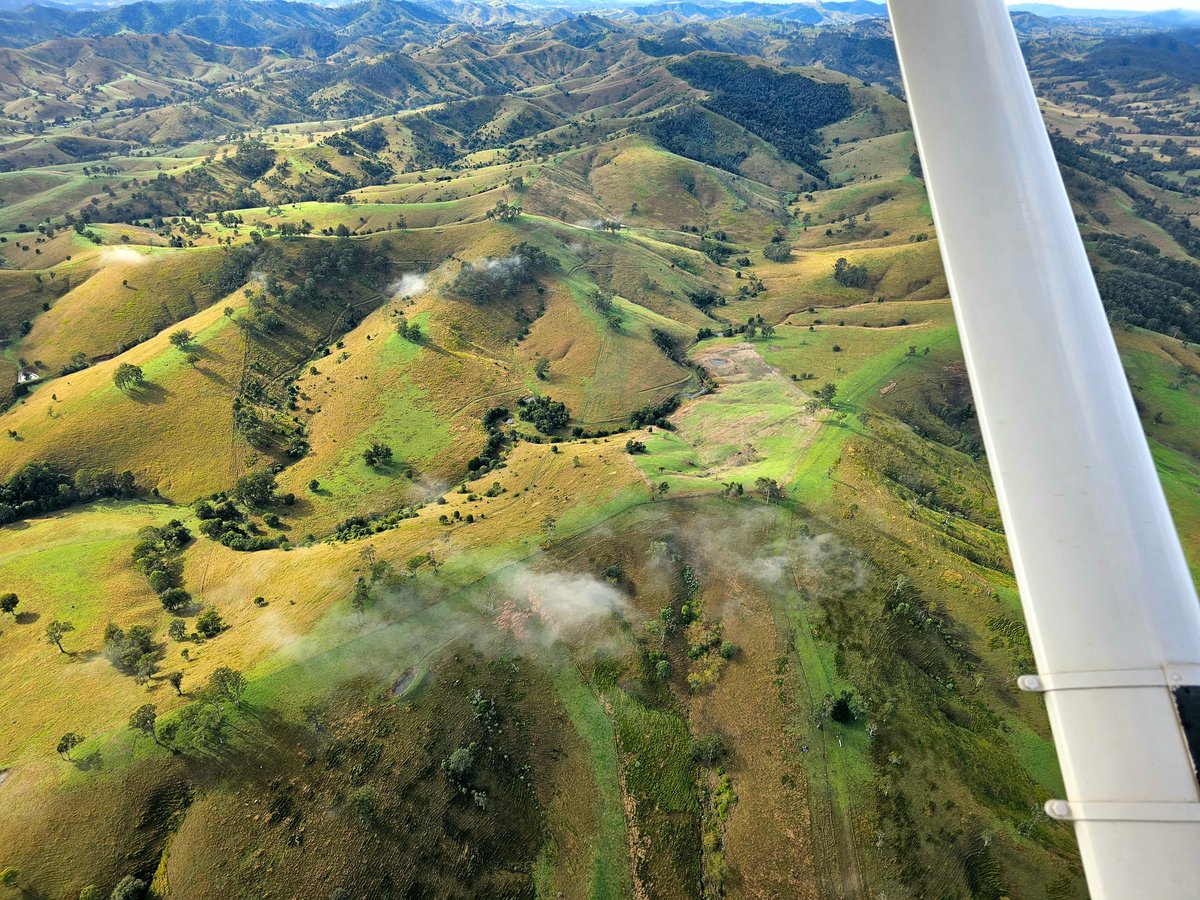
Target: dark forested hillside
783	109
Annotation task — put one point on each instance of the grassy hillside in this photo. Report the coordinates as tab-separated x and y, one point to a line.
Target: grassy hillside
735	620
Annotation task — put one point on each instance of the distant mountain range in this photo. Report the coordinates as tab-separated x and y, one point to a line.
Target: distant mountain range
325	27
1054	11
289	25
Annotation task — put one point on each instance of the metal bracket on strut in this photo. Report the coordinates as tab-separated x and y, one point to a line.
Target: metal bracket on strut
1171	676
1121	811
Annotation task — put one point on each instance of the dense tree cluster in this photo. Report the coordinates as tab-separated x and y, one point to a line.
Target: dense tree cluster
782	109
156	555
851	276
1141	287
256	489
705	299
233	270
131	652
666	343
221	520
546	415
778	251
356	527
495	278
39	487
252	159
493	450
656	414
688	133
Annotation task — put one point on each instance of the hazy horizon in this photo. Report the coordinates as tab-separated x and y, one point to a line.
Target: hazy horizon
1140	5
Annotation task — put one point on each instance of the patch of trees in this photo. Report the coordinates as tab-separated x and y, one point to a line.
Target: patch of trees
495	278
497	441
431	152
330	266
222	521
704	300
201	726
656	414
527	123
1143	288
688	133
666	343
784	109
157	556
38	488
914	166
132	652
256	489
778	251
350	143
410	331
252	159
850	276
504	211
465	116
356	527
546	415
371	138
233	270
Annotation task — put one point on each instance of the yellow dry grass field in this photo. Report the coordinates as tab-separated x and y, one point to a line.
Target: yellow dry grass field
175	433
134	293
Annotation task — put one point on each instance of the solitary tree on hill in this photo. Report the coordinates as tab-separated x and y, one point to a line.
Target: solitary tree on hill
128	377
55	632
410	331
377	455
175	679
209	623
67	743
145	719
361	596
769	487
228	683
8	603
181	339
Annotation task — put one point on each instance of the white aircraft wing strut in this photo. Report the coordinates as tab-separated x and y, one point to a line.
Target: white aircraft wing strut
1109	600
